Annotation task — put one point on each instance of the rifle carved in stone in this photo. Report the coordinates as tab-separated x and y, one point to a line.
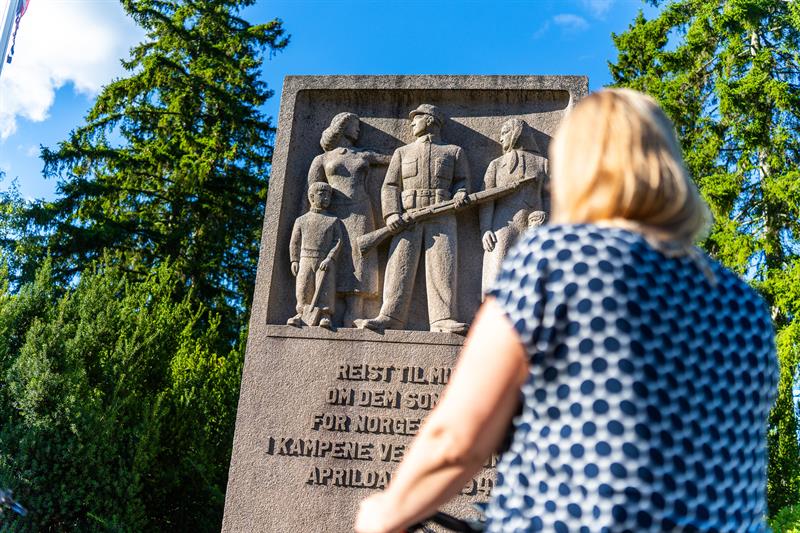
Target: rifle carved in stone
374	238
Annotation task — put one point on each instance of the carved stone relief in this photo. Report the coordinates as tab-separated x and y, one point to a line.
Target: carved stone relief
421	174
346	169
426	183
503	220
315	245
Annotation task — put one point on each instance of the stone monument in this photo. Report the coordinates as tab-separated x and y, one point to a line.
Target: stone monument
325	414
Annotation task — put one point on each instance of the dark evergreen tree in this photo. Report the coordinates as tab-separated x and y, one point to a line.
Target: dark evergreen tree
172	162
728	74
120	360
118	411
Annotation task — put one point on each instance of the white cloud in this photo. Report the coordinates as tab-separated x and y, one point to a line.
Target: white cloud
61	42
538	34
598	8
570	22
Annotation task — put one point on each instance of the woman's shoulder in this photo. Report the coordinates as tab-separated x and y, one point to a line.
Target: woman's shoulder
566	241
552	251
614	249
740	294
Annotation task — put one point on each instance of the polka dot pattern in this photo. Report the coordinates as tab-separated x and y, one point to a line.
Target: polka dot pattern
649	389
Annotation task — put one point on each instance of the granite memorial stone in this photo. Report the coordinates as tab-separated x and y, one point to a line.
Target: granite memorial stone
326	413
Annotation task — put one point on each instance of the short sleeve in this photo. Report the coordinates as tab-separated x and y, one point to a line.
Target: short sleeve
520	290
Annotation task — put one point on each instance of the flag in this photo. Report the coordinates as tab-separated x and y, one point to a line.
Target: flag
22	7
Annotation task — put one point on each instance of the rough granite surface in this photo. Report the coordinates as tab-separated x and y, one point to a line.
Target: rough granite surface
323	415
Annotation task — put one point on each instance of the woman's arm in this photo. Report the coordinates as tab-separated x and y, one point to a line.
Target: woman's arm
377	158
316	172
458	436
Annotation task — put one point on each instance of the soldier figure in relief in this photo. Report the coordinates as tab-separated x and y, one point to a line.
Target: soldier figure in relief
422	173
346	168
314	246
504	220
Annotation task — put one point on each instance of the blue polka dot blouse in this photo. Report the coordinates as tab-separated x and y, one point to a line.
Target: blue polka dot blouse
648	394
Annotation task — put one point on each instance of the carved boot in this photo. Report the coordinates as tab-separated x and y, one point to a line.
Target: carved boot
296	320
379	323
450	326
325	320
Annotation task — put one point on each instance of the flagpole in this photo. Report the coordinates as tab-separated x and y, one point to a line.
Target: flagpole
9	17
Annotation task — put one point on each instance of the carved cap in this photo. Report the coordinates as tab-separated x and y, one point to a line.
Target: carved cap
428	109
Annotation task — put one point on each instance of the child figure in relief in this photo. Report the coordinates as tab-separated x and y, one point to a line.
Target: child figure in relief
314	246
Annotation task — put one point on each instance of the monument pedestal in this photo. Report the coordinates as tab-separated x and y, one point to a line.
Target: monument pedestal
316	434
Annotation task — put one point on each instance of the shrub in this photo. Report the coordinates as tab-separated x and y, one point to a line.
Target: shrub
119	402
787	520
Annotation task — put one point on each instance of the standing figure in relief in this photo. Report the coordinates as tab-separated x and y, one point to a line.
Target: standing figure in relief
422	173
346	169
504	220
315	244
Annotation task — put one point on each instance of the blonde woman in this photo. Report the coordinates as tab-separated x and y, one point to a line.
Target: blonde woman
645	370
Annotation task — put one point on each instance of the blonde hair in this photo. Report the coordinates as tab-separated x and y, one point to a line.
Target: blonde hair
616	160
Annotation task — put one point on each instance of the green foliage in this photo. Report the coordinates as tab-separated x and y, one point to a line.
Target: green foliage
120	358
787	520
728	74
119	410
172	161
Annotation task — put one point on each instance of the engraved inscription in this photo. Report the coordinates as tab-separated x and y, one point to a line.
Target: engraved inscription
386	399
382	398
382	425
365	373
482	485
349	477
296	447
424	376
437	375
392	452
358	406
378	425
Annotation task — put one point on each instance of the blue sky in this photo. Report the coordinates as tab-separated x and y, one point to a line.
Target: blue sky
68	49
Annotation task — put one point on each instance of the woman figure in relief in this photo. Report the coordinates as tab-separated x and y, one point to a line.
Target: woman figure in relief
505	219
346	168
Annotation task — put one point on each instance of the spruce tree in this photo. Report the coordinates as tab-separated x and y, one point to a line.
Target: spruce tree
172	161
728	73
118	411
